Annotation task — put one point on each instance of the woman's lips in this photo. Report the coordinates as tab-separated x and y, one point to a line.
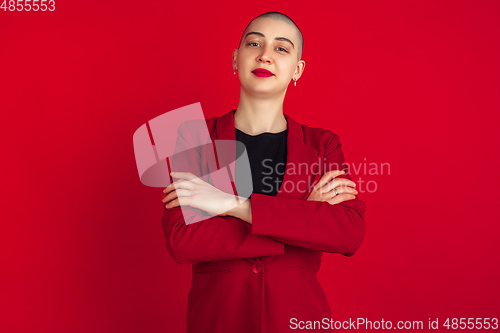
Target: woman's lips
260	72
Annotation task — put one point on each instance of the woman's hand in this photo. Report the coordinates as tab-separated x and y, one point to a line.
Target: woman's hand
190	190
333	191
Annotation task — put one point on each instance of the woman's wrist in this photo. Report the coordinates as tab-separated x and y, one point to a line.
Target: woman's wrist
242	211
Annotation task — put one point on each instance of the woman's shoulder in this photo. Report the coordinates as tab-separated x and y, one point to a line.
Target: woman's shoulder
317	131
207	123
319	136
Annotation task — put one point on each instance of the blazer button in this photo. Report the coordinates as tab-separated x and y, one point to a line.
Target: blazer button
256	268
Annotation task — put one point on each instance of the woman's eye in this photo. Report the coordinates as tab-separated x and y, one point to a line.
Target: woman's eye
279	48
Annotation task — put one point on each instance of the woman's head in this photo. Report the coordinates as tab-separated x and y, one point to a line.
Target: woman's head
280	17
273	42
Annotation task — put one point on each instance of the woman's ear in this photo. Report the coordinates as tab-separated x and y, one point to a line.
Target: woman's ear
301	65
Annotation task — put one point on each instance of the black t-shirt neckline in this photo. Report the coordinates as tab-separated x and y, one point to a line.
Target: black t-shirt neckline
262	134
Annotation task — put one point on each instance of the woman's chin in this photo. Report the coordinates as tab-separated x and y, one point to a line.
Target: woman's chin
264	89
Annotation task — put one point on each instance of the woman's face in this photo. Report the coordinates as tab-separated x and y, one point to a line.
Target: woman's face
272	45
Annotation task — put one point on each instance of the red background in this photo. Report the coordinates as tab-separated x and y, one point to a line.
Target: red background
411	83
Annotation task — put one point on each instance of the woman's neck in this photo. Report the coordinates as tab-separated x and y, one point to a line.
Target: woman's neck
255	116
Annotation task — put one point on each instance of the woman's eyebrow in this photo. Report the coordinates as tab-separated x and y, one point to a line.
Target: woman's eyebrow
262	35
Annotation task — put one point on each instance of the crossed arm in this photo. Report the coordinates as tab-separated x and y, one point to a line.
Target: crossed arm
330	220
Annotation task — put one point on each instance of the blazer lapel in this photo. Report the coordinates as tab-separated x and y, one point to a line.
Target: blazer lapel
300	157
297	180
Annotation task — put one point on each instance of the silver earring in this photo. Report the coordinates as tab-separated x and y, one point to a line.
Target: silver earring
295	82
235	72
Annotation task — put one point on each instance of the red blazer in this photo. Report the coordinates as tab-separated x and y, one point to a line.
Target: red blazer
256	278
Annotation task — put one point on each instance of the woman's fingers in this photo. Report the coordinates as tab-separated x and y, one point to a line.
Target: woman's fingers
186	184
340	198
337	191
170	196
339	184
327	177
173	203
175	194
340	187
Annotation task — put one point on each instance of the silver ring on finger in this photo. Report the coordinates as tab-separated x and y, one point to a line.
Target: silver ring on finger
336	193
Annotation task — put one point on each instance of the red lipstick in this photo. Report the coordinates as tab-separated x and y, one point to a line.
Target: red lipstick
261	72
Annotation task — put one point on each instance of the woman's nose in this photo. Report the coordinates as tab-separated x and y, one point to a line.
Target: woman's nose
265	55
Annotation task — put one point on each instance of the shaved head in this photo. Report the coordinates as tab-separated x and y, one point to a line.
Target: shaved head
280	17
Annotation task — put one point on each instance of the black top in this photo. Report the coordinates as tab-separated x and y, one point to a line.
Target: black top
267	155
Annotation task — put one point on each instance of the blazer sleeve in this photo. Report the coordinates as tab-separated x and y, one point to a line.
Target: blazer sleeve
214	238
315	225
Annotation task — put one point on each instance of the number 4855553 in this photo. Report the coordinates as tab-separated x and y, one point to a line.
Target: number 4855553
28	5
